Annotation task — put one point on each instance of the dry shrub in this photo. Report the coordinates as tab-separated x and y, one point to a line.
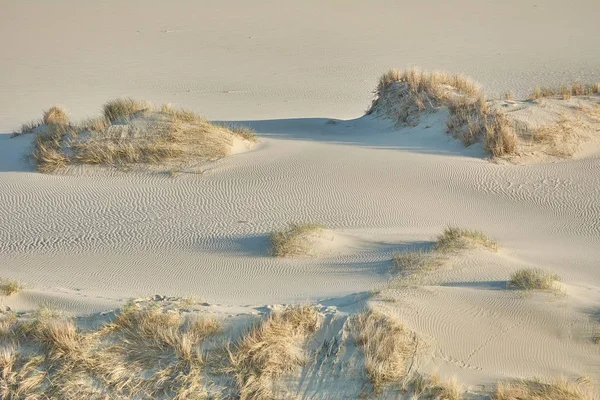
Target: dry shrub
533	279
55	115
117	109
566	91
555	389
295	240
453	239
271	349
405	94
386	344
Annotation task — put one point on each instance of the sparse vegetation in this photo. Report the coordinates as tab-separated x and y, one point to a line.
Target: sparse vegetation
130	132
433	388
405	94
387	346
453	239
415	260
295	240
566	92
556	389
533	279
8	287
271	349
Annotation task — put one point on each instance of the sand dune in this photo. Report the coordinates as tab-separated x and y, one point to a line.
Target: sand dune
86	239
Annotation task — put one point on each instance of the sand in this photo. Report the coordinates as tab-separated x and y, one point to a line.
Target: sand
86	240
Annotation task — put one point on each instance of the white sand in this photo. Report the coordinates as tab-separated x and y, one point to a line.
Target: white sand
86	241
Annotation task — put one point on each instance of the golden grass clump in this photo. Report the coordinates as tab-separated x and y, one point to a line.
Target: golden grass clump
271	349
405	94
116	109
433	388
533	279
537	389
295	240
8	287
454	238
131	132
55	115
387	346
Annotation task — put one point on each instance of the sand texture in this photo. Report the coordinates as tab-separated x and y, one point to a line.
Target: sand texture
86	239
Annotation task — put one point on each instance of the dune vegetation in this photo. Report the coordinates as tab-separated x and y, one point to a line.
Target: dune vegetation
8	287
533	279
296	240
404	94
538	389
130	132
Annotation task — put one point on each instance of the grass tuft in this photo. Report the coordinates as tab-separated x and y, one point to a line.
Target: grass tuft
532	279
555	389
8	287
271	349
453	239
295	240
433	388
55	115
117	109
387	346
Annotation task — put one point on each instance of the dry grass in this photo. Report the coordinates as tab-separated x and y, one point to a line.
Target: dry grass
415	261
295	240
566	91
556	389
271	349
556	138
533	279
145	352
453	239
118	109
387	346
131	132
55	115
405	94
433	388
8	287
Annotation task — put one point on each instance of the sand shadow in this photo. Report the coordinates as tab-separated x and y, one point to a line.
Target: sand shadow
13	153
428	137
486	285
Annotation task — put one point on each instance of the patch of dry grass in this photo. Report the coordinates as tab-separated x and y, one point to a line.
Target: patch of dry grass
271	349
8	287
433	388
387	346
55	115
415	261
131	132
118	109
405	94
555	389
454	238
145	352
566	91
295	240
533	279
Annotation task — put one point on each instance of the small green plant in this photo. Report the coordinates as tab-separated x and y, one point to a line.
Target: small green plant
532	279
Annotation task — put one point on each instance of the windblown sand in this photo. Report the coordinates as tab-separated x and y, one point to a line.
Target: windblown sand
301	75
